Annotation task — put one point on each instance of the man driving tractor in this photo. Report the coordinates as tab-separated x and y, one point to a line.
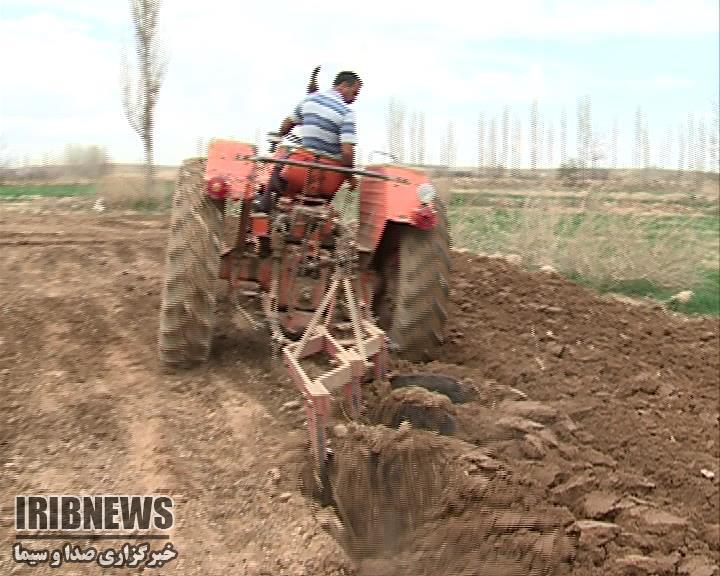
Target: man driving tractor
328	137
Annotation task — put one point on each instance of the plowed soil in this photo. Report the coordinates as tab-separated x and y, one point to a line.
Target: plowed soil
588	445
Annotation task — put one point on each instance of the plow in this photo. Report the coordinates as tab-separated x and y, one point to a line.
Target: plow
335	296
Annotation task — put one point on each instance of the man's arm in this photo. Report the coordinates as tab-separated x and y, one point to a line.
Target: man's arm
291	121
348	155
287	125
348	139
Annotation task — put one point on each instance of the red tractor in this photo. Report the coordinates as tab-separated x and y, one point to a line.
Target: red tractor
351	291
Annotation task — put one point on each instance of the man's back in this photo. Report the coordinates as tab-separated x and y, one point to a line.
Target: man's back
327	123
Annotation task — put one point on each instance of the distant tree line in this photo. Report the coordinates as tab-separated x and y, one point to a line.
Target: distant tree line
77	161
503	146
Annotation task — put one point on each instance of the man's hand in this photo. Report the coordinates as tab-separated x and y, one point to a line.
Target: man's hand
287	125
348	155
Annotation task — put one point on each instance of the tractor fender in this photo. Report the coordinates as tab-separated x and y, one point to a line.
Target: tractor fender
385	203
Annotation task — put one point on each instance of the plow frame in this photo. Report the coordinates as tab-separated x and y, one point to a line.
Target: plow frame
353	358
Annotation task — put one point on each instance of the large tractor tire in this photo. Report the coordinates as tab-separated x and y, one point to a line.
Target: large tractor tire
192	266
412	304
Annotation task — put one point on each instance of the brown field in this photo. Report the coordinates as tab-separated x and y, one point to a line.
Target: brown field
588	445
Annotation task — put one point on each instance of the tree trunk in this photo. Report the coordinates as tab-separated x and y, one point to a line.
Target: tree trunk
149	176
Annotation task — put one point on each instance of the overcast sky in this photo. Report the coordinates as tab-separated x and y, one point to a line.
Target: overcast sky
236	67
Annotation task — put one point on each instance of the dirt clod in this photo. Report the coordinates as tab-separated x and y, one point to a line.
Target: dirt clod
698	566
421	408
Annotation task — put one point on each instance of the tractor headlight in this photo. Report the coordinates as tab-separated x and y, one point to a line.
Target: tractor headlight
426	193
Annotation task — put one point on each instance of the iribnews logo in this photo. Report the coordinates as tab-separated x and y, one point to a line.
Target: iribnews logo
104	513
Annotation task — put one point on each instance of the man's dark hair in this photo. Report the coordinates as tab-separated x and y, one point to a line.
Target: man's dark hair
346	76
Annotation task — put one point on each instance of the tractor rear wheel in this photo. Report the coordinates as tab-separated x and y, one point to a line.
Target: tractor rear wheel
192	266
412	304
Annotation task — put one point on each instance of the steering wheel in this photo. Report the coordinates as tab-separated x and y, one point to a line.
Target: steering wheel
274	139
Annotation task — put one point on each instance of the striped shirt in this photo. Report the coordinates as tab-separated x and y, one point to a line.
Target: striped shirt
327	122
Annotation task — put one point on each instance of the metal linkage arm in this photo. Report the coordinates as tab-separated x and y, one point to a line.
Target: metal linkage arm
341	169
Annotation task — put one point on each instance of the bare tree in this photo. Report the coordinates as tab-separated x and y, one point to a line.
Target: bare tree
421	139
141	88
645	145
614	144
201	146
592	157
580	134
691	142
584	131
589	133
516	151
700	152
664	159
85	161
492	147
413	138
481	142
449	148
505	136
5	161
681	148
563	137
550	144
396	130
637	148
701	146
534	121
714	141
598	153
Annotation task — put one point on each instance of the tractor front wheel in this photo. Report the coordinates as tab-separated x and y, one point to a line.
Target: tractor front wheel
192	266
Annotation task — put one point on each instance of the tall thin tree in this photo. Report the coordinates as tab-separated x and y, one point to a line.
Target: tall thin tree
645	145
492	147
505	136
413	138
421	139
141	87
681	148
714	140
396	130
449	148
580	134
550	144
664	158
614	144
563	136
516	152
691	162
590	156
201	147
637	148
534	120
701	146
584	131
481	143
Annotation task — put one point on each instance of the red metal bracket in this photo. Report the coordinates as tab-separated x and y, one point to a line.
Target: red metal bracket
352	362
